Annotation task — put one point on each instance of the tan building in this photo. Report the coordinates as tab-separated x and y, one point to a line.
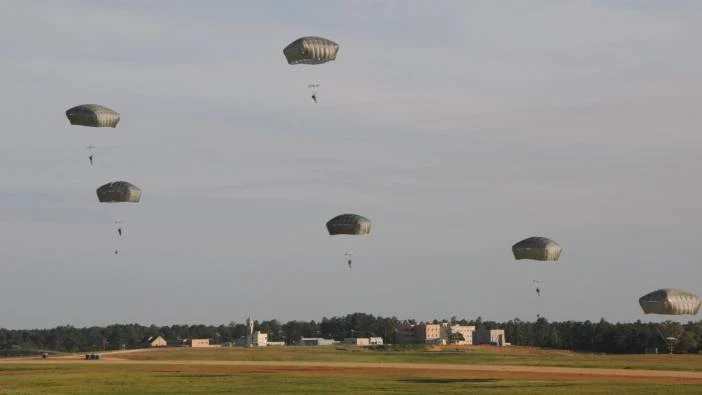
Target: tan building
466	331
491	336
442	334
428	333
154	341
199	343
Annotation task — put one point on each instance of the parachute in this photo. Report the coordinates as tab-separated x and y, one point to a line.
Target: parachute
670	301
537	248
93	115
349	224
311	50
119	192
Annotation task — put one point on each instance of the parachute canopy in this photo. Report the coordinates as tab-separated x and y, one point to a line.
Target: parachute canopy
311	50
670	301
119	192
537	248
349	224
93	115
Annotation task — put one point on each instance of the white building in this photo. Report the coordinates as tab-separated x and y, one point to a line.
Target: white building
252	338
316	341
491	336
259	339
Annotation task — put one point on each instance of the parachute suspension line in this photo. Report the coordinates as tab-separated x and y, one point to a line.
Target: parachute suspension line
669	341
538	297
660	334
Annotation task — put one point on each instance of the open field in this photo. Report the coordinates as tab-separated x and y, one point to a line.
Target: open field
483	355
329	370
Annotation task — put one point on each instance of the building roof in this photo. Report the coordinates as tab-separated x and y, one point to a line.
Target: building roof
150	339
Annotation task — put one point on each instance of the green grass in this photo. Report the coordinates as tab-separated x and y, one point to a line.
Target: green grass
447	356
140	379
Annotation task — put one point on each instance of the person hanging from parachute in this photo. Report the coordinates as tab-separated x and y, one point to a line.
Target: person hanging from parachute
311	51
670	301
117	192
349	224
538	290
537	248
119	227
314	91
94	116
90	154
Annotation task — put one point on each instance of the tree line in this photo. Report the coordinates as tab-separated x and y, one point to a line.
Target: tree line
600	337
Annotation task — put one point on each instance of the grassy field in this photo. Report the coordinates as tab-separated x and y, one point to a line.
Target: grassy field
349	370
440	355
138	379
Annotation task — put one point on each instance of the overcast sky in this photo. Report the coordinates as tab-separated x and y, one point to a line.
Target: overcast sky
457	128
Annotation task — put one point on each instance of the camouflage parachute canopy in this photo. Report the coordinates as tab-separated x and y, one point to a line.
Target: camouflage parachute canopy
119	192
93	115
537	248
311	50
670	301
349	224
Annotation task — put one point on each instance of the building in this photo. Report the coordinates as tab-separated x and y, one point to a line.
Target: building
177	343
491	336
315	341
428	333
443	333
195	343
153	341
357	341
405	333
466	331
252	338
259	339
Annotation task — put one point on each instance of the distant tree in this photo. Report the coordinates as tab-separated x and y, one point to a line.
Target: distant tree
456	337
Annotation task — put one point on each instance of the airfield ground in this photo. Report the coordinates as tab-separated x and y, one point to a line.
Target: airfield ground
335	370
